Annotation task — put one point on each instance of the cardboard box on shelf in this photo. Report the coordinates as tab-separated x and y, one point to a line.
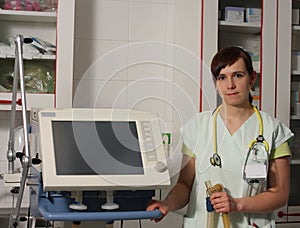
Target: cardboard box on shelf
296	60
234	14
295	16
253	15
297	109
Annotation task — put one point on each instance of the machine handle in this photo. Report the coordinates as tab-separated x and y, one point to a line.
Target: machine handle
281	214
104	216
6	102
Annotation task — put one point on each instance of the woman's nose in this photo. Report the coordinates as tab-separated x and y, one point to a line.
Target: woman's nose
230	83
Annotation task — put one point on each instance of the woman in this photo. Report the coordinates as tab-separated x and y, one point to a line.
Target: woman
216	146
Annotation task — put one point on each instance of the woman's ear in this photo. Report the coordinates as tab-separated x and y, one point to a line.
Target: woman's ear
253	79
217	90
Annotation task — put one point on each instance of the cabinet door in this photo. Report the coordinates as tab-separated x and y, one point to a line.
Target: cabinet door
283	64
208	47
65	54
288	90
48	76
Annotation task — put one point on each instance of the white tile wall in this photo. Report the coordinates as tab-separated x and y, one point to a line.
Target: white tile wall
140	71
82	49
127	61
101	57
148	21
113	94
83	19
110	20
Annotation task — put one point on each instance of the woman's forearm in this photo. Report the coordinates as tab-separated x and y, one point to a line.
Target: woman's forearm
264	202
178	197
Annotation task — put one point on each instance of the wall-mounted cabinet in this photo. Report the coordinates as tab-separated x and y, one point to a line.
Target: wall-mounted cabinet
257	36
48	75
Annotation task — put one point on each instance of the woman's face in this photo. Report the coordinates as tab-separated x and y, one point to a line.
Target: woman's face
234	84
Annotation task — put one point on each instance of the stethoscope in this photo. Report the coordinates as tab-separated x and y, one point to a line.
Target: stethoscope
257	144
257	159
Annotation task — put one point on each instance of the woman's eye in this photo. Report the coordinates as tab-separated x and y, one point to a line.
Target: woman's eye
238	75
220	77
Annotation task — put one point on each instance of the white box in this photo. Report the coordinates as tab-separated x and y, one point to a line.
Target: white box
295	16
297	109
253	15
234	14
295	86
296	60
256	65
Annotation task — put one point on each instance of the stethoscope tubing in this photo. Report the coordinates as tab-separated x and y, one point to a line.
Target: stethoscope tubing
215	160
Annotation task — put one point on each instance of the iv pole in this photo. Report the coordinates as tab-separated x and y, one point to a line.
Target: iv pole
11	156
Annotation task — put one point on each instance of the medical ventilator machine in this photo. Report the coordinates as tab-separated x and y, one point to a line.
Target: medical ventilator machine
86	164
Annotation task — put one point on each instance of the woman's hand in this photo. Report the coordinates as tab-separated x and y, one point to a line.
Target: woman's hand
179	195
160	205
223	202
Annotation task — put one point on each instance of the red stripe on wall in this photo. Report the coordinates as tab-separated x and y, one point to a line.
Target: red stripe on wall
55	65
261	53
276	68
201	55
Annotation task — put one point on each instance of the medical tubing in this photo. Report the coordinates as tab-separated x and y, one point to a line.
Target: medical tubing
226	220
211	216
261	129
249	190
210	210
211	219
215	129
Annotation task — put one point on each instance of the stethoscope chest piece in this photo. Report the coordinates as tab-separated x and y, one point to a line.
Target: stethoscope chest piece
257	161
215	160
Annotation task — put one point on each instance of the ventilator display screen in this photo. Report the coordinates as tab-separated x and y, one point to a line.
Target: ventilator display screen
96	147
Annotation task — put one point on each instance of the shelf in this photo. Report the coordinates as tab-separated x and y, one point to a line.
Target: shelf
296	72
296	29
32	16
33	100
295	162
25	57
295	117
225	26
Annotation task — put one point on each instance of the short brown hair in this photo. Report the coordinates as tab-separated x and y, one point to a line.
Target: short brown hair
228	56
